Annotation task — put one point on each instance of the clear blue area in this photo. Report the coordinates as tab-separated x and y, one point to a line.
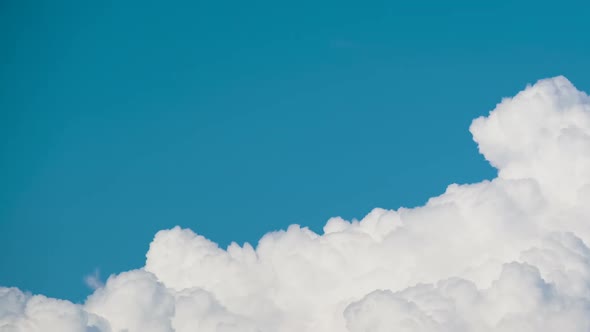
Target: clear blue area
118	119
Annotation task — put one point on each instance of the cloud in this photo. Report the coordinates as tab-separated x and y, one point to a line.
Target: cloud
93	280
23	312
504	255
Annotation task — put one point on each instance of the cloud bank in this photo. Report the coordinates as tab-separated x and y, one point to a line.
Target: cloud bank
506	255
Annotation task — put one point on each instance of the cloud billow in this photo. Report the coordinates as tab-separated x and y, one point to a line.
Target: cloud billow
506	255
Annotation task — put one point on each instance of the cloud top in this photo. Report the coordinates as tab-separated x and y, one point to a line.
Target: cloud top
504	255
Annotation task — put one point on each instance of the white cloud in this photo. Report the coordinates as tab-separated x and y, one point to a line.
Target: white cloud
26	313
504	255
93	280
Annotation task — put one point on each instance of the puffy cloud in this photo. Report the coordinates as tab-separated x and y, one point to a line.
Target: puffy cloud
21	312
134	301
504	255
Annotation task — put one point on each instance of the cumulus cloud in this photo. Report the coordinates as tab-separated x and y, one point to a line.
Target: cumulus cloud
505	255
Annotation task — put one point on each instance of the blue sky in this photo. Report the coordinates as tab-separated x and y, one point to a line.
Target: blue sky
235	119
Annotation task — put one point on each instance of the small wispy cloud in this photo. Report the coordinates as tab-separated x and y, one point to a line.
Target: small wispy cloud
93	280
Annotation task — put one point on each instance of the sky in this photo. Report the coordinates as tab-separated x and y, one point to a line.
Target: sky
234	119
